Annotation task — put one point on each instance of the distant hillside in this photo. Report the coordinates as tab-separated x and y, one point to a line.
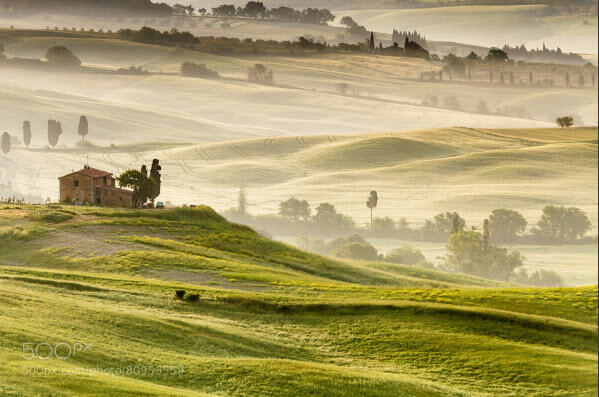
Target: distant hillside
84	7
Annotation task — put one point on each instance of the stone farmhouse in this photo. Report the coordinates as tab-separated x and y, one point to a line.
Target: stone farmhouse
93	186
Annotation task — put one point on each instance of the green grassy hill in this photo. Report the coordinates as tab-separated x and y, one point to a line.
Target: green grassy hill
269	319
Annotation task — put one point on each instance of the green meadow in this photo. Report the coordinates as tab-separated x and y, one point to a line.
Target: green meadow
263	318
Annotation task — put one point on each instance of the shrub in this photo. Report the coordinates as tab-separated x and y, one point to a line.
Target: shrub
193	297
260	74
180	294
362	251
191	69
564	122
405	255
62	57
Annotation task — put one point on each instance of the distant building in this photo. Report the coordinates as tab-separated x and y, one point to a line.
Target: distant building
93	186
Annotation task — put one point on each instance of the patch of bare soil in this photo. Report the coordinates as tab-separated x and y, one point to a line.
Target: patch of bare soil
87	240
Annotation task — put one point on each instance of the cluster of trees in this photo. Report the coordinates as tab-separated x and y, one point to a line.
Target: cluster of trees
86	7
256	9
542	55
472	252
260	74
468	251
401	36
54	133
355	246
556	225
499	68
565	121
146	187
191	69
353	28
228	45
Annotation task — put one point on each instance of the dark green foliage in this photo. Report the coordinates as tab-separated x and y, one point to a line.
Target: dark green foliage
468	253
139	182
564	122
144	187
155	178
62	57
192	297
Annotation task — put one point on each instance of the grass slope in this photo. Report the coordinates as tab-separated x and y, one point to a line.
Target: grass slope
270	320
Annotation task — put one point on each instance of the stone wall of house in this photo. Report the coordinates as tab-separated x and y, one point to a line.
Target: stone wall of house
77	188
114	198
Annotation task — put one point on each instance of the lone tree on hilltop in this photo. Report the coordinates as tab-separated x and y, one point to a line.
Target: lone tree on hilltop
565	122
371	203
26	133
83	127
5	143
61	56
260	74
54	131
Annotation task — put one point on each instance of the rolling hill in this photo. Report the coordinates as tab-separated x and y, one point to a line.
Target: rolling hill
266	319
492	25
167	107
417	173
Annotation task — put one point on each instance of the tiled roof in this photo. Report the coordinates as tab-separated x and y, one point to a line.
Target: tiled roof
88	171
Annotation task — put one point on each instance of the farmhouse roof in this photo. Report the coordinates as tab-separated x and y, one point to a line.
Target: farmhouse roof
89	171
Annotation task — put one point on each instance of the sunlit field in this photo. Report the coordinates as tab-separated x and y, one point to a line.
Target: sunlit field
262	318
